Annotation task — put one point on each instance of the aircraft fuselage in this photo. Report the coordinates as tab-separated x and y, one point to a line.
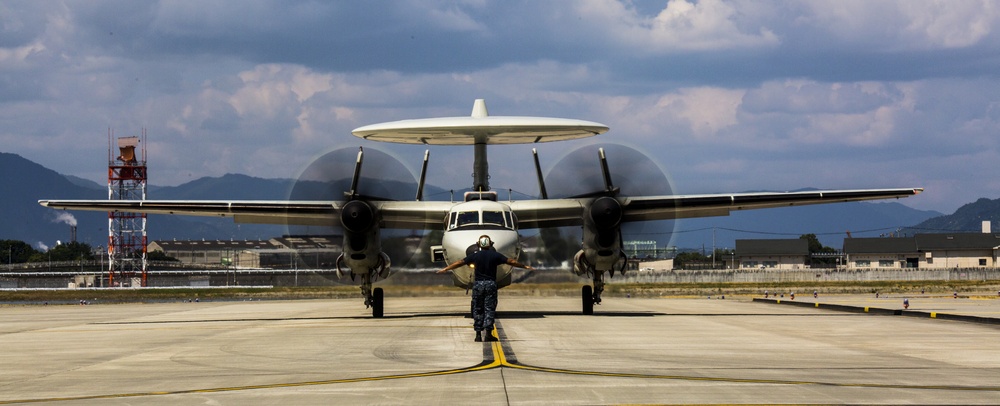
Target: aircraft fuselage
466	222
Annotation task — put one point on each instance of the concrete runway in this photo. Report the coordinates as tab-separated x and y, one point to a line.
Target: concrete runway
633	351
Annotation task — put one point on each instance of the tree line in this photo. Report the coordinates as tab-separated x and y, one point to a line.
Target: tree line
20	252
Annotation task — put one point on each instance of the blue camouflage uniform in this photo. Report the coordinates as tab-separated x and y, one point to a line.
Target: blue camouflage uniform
484	288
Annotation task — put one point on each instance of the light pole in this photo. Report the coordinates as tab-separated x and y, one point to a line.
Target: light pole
101	275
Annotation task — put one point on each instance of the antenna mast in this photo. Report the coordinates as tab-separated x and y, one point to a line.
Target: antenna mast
127	231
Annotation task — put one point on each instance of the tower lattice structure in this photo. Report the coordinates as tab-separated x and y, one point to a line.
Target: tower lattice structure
127	231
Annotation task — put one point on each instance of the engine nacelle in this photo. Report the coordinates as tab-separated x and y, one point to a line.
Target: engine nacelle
602	241
362	240
357	216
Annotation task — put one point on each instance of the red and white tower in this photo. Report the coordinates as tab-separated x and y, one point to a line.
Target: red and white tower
127	231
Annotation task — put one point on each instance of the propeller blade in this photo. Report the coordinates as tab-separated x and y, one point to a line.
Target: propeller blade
609	187
636	174
330	176
423	176
538	172
353	193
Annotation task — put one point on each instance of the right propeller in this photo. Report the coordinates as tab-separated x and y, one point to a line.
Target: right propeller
603	175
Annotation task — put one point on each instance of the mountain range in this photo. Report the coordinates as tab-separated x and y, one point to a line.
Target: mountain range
27	182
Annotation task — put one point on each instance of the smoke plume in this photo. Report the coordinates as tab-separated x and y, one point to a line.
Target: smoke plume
65	217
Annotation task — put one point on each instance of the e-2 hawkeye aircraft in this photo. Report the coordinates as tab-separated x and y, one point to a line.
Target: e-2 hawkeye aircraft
600	214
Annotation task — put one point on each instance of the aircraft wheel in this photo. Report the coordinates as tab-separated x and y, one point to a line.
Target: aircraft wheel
377	297
587	294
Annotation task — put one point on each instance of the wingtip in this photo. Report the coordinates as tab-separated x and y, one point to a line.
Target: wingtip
918	190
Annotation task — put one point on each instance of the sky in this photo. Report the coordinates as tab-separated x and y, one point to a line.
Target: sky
724	96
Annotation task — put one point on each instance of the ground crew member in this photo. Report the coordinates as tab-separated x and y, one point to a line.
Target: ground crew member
484	289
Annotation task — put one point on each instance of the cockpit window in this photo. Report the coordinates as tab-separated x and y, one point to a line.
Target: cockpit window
493	217
486	218
468	217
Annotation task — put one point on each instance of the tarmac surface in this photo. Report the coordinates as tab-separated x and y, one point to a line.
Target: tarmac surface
634	351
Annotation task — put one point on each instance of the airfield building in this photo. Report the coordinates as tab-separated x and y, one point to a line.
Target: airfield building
792	253
924	251
928	251
282	252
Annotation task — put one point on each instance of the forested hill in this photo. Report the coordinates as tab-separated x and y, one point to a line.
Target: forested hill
968	218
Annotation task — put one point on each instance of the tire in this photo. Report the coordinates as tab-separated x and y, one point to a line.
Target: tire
587	294
377	299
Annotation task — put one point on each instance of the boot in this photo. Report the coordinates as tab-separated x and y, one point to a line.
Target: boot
479	336
489	336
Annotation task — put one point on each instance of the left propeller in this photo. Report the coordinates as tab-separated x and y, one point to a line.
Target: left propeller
358	179
330	177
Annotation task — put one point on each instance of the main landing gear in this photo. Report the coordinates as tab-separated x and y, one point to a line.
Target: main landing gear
592	295
373	297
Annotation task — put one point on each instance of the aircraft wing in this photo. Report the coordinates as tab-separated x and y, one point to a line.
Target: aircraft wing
394	214
429	215
569	212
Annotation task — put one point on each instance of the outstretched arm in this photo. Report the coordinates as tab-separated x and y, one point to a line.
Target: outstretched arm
453	265
513	262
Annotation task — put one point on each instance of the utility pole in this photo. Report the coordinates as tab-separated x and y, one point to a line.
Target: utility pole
713	247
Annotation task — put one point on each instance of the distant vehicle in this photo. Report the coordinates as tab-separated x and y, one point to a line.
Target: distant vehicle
600	214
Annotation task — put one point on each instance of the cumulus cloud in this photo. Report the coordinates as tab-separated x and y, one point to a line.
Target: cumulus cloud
948	24
802	96
904	25
727	94
681	26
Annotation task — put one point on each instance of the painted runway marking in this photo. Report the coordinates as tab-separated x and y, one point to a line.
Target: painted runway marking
510	362
499	355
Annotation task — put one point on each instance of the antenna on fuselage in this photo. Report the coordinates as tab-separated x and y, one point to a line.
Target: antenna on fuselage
479	109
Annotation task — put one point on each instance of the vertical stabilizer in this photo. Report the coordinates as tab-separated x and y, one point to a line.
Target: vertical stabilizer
479	109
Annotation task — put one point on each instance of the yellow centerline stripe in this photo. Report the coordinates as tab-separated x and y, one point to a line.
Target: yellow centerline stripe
499	358
500	361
